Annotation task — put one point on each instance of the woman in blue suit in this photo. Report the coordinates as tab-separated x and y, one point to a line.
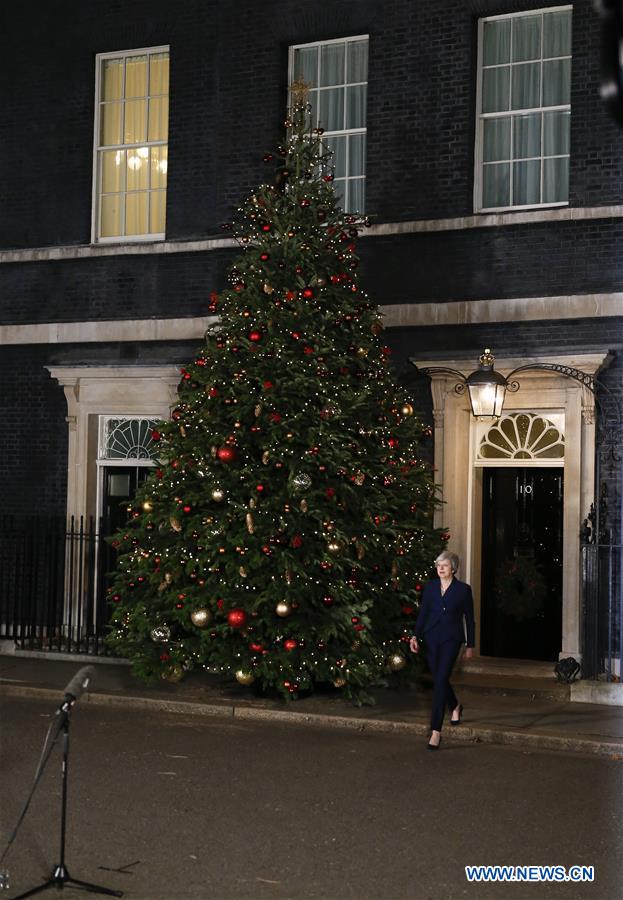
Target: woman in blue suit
444	624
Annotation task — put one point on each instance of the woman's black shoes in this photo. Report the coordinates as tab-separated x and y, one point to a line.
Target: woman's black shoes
458	721
433	746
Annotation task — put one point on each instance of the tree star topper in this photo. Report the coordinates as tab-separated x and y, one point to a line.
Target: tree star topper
300	91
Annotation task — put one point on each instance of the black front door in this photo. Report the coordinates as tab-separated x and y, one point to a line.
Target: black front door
521	587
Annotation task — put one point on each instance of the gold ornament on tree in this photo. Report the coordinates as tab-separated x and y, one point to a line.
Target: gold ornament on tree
249	521
175	524
201	617
218	495
283	609
406	409
173	674
243	677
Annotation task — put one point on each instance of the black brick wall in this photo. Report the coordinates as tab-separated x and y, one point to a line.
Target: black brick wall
33	469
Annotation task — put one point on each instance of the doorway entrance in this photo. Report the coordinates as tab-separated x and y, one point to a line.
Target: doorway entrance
522	550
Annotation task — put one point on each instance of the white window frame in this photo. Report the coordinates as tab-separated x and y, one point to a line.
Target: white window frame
480	116
345	132
96	238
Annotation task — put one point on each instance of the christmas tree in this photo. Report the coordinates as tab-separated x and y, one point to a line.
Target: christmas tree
286	532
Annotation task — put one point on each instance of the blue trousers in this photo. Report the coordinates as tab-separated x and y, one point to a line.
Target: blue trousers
441	658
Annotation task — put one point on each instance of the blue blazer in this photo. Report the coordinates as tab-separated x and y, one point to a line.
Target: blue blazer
441	618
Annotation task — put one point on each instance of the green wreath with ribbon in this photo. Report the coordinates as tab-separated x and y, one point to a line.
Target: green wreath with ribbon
520	588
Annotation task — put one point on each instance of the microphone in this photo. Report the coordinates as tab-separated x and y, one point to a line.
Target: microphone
76	687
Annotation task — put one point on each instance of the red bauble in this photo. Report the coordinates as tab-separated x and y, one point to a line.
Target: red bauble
155	435
308	293
226	454
213	392
255	336
187	508
267	385
328	601
256	648
290	644
264	257
259	488
236	618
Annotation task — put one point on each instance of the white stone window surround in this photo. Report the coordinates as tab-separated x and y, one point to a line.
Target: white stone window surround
124	391
479	205
460	479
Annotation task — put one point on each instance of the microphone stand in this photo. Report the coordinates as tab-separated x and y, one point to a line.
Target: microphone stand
60	876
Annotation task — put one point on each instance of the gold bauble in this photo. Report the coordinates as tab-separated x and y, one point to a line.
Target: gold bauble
173	674
175	524
339	682
201	617
243	572
396	662
303	505
334	547
147	506
362	351
168	577
243	677
406	409
218	495
249	521
268	289
283	609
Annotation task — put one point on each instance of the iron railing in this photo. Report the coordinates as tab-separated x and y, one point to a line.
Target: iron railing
52	584
602	599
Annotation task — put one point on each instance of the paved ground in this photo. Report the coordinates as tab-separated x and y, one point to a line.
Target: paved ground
166	806
524	712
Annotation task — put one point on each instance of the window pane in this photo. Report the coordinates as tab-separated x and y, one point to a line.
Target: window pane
110	225
496	185
495	89
356	106
557	34
356	154
357	61
136	76
135	124
339	188
497	42
159	165
113	164
556	82
526	38
556	132
555	180
110	124
526	86
527	182
158	119
356	197
527	136
313	102
159	74
331	64
497	139
136	213
332	109
112	79
157	210
138	169
338	145
305	65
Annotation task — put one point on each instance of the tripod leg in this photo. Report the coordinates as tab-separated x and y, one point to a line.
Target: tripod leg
51	882
94	888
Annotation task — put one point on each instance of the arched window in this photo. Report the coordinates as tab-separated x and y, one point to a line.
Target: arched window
522	436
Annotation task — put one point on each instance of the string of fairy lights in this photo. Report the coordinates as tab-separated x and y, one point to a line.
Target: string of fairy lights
271	496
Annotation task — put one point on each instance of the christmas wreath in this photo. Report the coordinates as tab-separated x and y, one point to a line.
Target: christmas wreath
520	588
